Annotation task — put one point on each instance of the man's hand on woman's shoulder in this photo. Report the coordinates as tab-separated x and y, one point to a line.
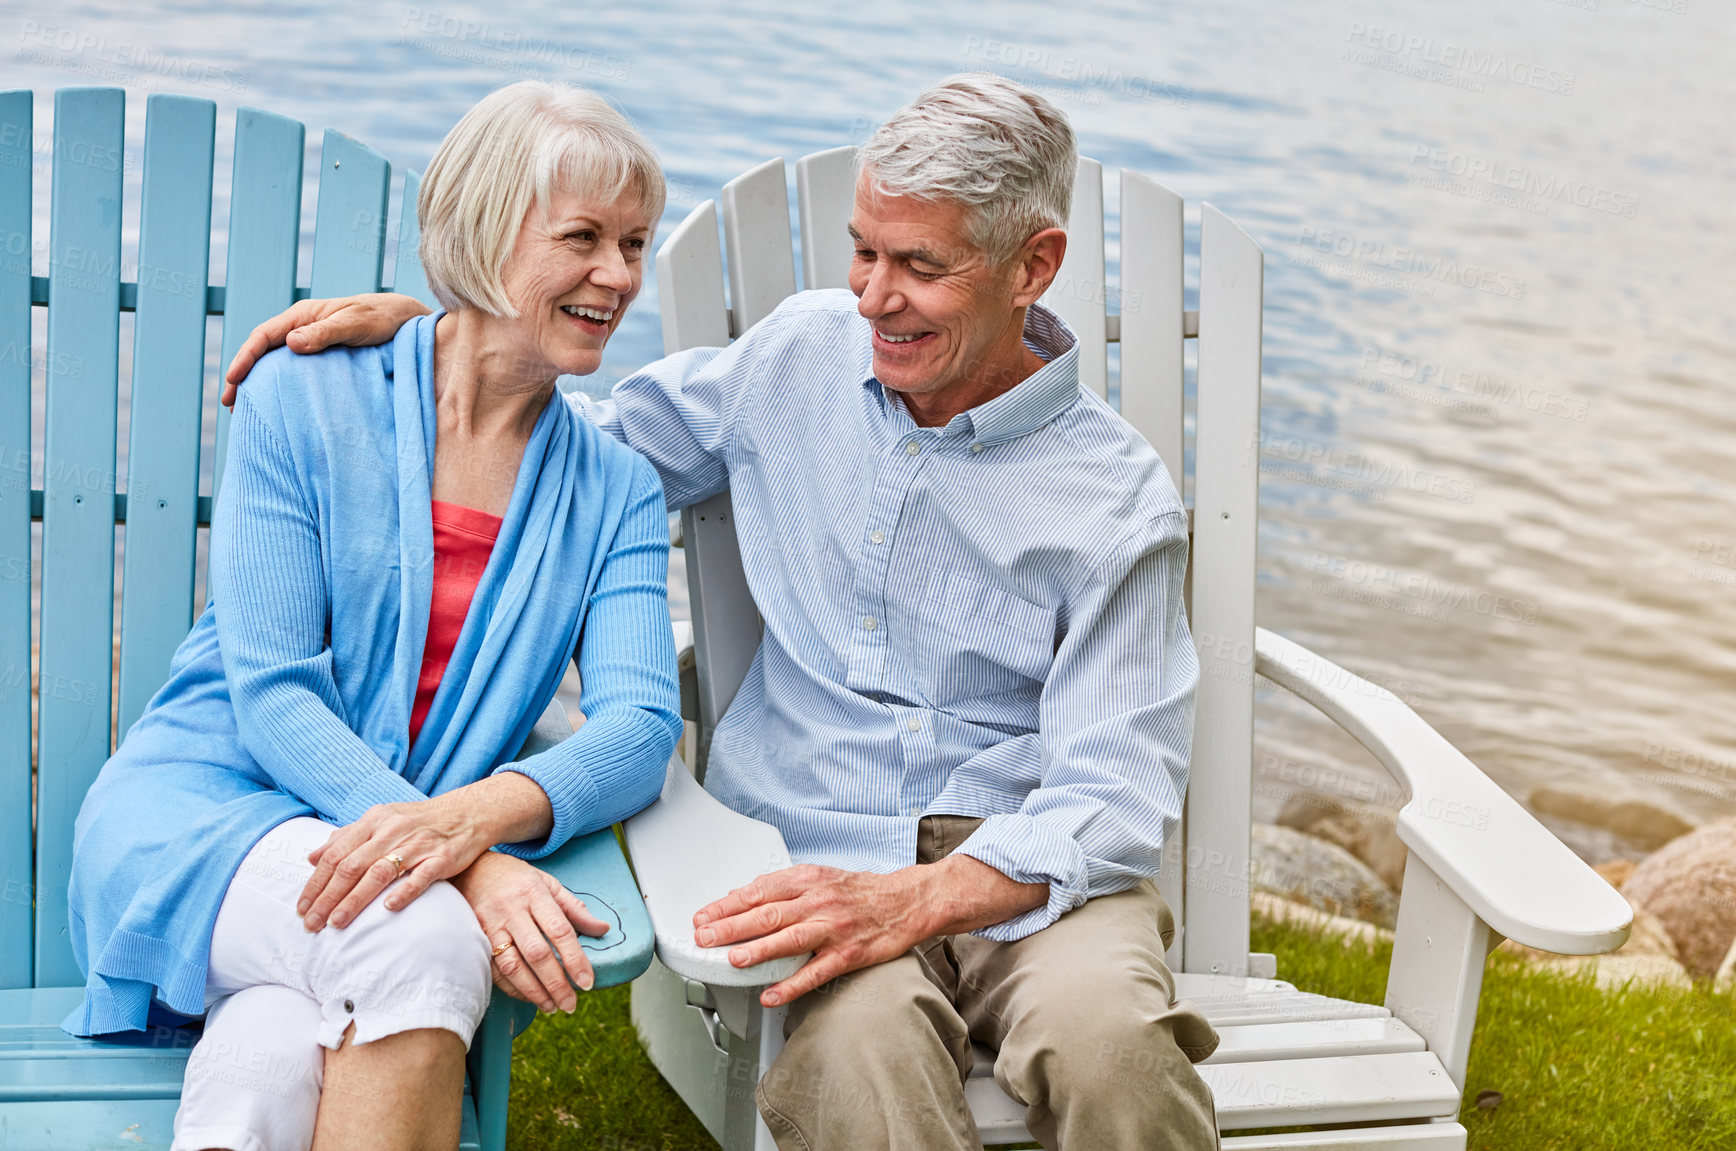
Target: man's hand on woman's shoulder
314	325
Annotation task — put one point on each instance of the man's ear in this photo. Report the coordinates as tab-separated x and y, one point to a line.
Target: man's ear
1037	264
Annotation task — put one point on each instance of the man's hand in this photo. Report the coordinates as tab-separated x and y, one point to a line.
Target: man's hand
855	919
314	325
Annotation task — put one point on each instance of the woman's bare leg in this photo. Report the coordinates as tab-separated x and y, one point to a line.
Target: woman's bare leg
400	1093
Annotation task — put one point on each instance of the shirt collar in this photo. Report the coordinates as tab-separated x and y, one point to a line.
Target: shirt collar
1035	400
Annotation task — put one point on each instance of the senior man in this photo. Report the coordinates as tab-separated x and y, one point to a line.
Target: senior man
971	712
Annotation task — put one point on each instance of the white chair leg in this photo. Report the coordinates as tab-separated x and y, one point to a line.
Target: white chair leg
771	1043
1438	953
741	1121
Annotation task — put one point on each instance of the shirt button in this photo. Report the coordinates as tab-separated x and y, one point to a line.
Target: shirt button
913	723
870	623
350	1006
915	811
976	449
877	536
912	448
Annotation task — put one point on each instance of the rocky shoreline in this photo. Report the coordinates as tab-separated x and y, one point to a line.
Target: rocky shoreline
1338	866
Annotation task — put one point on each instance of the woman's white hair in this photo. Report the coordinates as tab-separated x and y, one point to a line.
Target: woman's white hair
985	141
515	147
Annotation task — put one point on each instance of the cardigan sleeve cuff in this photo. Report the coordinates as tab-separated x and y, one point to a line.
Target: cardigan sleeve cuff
572	796
1025	849
382	786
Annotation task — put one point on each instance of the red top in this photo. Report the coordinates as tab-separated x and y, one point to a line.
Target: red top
463	541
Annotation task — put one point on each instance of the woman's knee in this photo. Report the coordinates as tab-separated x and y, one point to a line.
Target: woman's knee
425	965
439	923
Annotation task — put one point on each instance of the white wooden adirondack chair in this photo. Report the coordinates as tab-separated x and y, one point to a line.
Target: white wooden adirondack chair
1480	868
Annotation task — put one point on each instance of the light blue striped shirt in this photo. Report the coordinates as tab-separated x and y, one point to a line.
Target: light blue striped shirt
983	619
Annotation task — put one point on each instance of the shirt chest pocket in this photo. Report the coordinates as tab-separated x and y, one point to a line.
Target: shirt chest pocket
982	640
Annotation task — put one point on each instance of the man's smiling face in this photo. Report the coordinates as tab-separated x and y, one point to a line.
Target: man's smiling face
944	317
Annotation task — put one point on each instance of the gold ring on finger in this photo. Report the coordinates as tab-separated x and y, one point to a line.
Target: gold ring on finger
504	947
397	862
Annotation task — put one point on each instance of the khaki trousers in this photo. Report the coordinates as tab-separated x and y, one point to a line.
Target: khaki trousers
1081	1014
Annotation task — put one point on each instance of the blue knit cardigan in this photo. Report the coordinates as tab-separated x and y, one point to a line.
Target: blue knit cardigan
292	694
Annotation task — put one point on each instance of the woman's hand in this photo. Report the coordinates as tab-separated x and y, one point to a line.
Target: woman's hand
428	840
420	841
530	921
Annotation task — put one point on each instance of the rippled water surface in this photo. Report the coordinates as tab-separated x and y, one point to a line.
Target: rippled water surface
1499	410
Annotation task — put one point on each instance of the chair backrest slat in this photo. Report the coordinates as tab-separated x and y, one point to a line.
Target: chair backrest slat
264	233
16	141
690	284
78	523
1226	503
1153	390
1078	294
756	234
408	277
349	238
1152	316
726	625
167	394
825	196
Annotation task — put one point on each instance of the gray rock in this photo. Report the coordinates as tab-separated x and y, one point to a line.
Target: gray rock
1296	866
1363	829
1690	884
1641	822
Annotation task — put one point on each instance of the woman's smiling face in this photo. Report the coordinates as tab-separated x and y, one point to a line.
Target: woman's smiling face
572	273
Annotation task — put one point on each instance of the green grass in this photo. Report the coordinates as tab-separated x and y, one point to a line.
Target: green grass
1579	1069
581	1082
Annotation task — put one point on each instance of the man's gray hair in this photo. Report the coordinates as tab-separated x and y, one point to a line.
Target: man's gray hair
516	148
985	141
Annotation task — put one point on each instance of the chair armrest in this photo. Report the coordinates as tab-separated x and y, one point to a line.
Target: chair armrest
688	850
1507	868
594	868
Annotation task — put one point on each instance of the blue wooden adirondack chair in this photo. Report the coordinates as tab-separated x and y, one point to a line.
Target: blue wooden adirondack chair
57	1092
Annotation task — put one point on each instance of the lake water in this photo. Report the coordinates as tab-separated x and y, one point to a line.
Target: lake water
1497	474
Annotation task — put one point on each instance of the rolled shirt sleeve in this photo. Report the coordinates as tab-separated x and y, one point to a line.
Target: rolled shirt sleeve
1116	730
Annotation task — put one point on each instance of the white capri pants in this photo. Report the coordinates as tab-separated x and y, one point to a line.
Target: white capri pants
278	998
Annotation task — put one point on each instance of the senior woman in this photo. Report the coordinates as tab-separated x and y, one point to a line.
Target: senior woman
294	840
